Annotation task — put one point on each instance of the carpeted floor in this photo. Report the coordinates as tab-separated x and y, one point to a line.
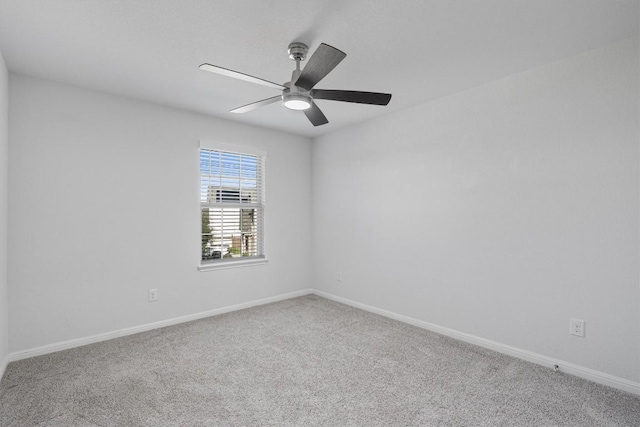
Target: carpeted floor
302	362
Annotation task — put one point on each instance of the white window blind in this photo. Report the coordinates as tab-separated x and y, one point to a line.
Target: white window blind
232	206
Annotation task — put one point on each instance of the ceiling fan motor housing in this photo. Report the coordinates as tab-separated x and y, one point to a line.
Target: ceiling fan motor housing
295	97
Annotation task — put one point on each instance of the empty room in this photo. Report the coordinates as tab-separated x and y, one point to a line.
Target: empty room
319	213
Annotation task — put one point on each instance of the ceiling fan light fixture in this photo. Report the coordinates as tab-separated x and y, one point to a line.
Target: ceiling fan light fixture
297	102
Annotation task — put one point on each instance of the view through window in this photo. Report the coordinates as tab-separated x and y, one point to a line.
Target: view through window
231	204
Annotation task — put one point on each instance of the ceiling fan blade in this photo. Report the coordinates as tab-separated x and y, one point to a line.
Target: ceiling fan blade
241	76
323	60
257	104
373	98
315	115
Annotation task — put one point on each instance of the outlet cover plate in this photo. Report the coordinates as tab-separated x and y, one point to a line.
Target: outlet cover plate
576	327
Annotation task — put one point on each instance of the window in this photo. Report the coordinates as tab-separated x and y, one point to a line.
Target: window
231	207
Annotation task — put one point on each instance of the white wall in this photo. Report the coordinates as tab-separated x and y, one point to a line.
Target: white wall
500	212
4	214
104	205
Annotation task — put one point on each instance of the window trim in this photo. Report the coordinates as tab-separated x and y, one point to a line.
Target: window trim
235	263
221	265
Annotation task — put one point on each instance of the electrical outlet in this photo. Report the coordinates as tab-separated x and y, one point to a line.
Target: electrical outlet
153	295
339	276
576	327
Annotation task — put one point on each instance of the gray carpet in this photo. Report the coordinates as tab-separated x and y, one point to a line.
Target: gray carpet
302	362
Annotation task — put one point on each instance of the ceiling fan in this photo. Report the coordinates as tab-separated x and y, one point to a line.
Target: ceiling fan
299	93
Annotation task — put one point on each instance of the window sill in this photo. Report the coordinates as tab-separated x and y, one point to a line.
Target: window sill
221	265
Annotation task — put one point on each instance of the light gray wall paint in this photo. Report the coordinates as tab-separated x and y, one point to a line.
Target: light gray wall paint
104	205
4	213
501	211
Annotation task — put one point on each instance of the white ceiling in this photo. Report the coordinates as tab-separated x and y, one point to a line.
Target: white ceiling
418	50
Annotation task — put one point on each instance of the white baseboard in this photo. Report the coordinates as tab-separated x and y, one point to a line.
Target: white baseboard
3	366
569	368
64	345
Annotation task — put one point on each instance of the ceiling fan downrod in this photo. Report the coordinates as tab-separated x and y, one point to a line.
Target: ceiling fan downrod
294	97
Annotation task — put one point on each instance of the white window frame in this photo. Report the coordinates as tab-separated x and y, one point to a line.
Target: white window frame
234	262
